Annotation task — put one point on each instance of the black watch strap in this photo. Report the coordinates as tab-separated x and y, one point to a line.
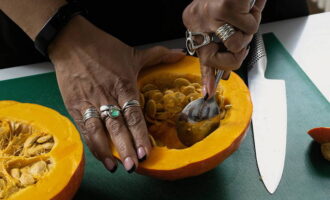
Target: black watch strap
55	24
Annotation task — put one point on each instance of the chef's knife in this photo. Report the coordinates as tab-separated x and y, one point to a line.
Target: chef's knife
269	118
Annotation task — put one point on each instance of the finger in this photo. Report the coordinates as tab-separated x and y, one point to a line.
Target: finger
138	128
134	118
121	139
246	19
237	42
100	143
97	140
260	5
210	57
226	75
208	80
158	55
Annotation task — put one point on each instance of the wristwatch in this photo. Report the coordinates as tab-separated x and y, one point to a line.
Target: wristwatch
56	23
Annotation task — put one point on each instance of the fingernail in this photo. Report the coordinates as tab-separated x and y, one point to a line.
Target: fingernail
110	165
204	90
129	165
141	154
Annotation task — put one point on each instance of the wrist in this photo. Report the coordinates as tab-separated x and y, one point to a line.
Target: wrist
69	39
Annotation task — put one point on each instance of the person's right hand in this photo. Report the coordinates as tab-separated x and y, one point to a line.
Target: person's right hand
93	68
207	16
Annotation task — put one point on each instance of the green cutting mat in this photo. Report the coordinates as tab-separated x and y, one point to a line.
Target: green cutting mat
306	174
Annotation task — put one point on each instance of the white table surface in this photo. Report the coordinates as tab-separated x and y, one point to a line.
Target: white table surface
307	39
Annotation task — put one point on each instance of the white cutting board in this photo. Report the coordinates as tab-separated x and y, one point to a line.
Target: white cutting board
307	39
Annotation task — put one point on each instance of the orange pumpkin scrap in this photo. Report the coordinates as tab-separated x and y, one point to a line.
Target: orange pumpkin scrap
170	159
41	153
322	136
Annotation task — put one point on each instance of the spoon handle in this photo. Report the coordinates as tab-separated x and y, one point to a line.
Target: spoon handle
218	75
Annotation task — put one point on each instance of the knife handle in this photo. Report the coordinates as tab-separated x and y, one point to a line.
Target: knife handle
257	60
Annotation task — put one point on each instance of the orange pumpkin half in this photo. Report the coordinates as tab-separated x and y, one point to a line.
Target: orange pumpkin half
176	163
41	153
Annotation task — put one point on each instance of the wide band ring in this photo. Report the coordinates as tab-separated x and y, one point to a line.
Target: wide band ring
131	103
109	111
90	113
225	31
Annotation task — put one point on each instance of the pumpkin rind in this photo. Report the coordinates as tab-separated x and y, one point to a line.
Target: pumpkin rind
320	134
171	164
67	156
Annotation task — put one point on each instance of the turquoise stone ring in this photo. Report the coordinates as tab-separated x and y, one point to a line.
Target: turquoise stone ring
111	111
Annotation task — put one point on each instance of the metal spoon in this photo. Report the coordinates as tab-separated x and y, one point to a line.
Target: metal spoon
199	118
202	108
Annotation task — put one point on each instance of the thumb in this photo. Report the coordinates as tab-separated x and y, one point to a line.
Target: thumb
159	54
208	80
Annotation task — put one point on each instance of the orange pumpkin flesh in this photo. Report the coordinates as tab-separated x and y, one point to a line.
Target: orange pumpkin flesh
171	164
64	160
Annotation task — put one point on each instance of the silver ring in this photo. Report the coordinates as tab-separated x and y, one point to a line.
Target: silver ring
109	111
131	103
90	113
225	31
191	44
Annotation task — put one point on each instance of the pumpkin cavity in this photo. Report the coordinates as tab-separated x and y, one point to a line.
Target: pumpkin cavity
23	152
162	99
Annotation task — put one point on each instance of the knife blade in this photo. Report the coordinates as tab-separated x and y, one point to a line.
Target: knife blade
269	118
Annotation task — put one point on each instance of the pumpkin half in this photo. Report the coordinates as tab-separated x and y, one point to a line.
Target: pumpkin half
41	153
177	163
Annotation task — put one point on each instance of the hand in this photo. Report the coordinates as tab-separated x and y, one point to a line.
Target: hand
93	69
207	16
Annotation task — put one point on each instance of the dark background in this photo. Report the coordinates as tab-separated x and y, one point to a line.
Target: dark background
134	22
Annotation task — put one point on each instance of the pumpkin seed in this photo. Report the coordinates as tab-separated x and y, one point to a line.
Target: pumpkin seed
196	85
222	114
40	149
169	101
48	145
180	97
228	106
26	179
152	140
25	169
15	173
38	168
159	107
192	96
151	108
187	89
179	82
149	87
148	95
168	92
44	139
30	141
